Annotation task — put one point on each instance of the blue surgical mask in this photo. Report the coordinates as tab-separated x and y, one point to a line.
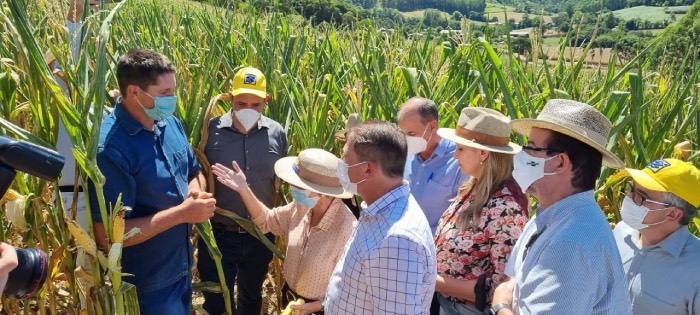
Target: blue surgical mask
164	107
302	197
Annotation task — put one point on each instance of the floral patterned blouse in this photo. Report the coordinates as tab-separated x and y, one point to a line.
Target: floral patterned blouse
484	249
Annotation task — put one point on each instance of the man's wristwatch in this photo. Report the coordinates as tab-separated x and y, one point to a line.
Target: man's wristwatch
497	308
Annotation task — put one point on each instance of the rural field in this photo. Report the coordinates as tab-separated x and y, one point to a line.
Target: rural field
317	76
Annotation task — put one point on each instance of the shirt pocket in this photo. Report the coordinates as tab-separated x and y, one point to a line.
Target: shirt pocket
652	304
181	166
439	179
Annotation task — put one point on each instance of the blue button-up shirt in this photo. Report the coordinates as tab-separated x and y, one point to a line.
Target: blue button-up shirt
572	266
435	181
663	278
151	170
388	265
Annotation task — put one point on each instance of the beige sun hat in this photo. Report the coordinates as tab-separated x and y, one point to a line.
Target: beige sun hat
314	170
353	121
577	120
482	128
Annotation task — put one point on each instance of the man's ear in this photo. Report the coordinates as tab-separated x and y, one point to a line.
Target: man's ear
268	98
675	214
132	91
562	163
371	170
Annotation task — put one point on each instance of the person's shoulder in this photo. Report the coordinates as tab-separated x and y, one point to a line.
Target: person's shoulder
273	125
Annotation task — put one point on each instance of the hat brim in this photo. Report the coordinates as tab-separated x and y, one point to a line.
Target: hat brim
284	169
450	134
645	180
524	125
240	91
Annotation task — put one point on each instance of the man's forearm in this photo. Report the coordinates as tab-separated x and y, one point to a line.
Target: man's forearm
149	227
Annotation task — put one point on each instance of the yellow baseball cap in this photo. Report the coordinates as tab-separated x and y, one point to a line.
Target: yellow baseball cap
249	81
670	175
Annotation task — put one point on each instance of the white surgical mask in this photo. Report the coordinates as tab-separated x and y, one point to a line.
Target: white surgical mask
417	144
527	169
344	177
247	117
634	215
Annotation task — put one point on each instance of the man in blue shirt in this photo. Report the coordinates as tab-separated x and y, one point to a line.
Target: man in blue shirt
146	159
566	260
433	174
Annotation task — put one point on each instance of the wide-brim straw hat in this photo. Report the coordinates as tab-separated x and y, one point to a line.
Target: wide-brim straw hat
314	170
353	121
482	128
577	120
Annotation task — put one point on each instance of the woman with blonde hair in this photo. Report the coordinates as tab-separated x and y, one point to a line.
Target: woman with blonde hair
478	231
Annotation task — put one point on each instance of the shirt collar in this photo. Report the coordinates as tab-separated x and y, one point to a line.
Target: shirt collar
226	121
130	125
562	209
386	200
442	148
675	242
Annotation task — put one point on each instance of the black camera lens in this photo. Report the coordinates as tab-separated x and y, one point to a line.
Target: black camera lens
31	272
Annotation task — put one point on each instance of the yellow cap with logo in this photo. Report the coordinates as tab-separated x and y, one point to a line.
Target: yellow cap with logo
249	81
670	175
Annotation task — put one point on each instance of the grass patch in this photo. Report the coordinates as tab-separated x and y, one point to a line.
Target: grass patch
653	14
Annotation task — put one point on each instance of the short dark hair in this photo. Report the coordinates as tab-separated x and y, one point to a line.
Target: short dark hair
382	143
586	161
141	67
426	109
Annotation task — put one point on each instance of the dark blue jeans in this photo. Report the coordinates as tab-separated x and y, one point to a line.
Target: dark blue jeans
245	261
175	299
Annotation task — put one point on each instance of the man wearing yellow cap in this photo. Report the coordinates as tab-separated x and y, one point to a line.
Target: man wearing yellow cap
660	256
255	142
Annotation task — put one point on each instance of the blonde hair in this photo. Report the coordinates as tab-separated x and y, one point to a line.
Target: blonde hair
498	168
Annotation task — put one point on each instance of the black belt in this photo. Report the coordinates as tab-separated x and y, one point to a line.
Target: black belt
69	188
228	228
289	295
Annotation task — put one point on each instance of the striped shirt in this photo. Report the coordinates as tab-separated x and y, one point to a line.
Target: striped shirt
566	262
388	266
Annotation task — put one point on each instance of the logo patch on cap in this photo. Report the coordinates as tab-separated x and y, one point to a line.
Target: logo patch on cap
249	79
656	166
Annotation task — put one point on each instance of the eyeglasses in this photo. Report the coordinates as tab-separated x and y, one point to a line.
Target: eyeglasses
534	149
630	191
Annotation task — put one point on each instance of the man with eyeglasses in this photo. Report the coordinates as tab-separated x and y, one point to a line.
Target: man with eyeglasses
566	260
660	256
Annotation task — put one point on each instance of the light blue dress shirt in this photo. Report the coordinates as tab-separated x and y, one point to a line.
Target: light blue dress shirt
434	182
663	278
572	266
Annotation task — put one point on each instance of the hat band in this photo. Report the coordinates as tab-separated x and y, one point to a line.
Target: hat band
316	178
481	138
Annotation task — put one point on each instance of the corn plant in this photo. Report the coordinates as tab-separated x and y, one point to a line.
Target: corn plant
317	76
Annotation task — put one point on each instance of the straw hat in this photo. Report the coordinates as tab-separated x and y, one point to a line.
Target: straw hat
577	120
482	128
353	121
314	170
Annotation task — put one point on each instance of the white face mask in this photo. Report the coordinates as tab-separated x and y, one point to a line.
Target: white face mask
417	144
527	169
344	177
247	117
634	215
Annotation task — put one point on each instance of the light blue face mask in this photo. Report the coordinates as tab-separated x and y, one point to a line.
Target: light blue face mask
302	197
164	107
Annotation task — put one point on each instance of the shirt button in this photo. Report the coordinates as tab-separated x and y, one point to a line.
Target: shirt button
247	168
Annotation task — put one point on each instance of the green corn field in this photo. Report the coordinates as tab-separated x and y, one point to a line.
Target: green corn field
317	76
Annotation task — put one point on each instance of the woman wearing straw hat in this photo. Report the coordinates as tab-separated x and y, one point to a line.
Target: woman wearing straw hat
477	232
317	223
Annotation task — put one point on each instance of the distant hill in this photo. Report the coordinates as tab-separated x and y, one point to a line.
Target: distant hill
683	36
